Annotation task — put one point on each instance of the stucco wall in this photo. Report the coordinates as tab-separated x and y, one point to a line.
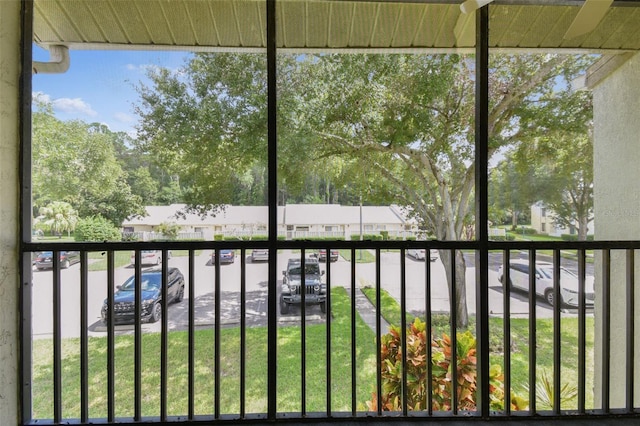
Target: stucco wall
617	206
9	185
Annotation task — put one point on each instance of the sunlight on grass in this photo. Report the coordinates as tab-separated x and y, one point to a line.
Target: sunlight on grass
289	370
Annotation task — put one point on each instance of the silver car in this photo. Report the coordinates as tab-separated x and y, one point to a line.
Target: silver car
260	255
421	254
519	279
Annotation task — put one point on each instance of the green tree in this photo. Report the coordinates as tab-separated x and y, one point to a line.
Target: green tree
566	188
75	162
96	228
513	188
58	217
399	126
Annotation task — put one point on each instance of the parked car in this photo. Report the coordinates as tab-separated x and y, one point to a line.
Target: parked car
421	254
226	256
519	279
149	257
315	290
260	255
151	295
322	255
44	259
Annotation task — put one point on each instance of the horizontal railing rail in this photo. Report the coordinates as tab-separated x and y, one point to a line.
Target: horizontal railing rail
375	334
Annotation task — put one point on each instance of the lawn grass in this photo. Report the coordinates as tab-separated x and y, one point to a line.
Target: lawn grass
184	253
98	260
362	256
288	365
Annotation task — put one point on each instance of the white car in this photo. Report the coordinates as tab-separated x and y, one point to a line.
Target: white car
149	257
421	254
519	277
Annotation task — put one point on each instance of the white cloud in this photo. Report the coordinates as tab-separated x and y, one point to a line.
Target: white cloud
73	106
123	117
41	97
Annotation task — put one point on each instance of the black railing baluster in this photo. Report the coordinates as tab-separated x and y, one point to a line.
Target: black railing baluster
84	338
110	337
216	335
403	328
506	330
137	336
557	341
57	340
243	331
532	331
164	337
630	343
606	329
303	335
378	333
582	332
428	331
191	335
453	316
354	372
328	333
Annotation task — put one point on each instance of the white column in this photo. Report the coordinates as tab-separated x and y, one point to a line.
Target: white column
9	208
616	99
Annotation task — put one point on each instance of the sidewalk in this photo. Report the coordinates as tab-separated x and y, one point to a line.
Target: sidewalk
368	312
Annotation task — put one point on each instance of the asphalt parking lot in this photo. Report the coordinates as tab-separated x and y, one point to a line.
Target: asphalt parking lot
256	293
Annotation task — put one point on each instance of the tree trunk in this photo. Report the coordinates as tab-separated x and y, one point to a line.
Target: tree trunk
582	228
462	315
514	220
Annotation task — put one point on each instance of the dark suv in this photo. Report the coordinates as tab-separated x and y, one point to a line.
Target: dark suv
315	291
151	309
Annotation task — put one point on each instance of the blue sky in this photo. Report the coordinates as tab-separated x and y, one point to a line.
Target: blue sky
99	85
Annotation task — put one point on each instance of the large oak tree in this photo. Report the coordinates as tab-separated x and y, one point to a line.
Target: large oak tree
395	128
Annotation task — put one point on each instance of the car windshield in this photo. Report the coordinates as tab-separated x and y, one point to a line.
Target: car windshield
309	269
149	282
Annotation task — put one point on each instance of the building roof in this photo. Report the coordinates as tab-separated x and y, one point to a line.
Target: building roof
291	214
229	215
305	25
335	214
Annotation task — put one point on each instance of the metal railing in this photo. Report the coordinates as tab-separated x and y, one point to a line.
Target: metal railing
204	357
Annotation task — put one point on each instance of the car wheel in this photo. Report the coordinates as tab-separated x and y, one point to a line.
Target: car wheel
180	295
156	313
549	297
323	307
284	307
65	264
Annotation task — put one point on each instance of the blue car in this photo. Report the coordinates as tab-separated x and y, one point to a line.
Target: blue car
226	256
151	309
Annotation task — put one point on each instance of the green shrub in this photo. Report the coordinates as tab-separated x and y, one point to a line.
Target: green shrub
367	237
96	228
384	235
508	237
416	347
574	237
218	237
169	230
318	239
